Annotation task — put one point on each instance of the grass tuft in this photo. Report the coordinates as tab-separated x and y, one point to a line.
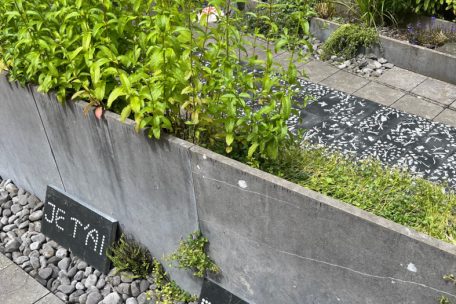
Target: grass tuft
128	255
390	193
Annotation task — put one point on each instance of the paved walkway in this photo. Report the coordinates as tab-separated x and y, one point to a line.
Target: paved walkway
401	118
17	287
397	88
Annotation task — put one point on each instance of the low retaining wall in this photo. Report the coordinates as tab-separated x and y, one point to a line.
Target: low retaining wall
411	57
275	241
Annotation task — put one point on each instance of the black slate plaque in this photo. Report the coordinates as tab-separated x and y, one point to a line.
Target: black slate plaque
212	293
75	225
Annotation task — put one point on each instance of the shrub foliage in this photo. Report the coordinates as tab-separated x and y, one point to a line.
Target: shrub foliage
128	255
390	193
156	61
347	40
191	254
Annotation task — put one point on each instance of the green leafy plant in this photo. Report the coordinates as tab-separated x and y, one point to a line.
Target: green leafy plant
128	255
325	9
434	6
167	291
380	12
191	254
429	37
347	40
390	193
158	62
271	17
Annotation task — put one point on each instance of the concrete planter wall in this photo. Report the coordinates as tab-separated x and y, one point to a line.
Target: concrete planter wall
275	241
411	57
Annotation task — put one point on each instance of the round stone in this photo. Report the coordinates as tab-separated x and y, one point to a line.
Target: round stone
35	216
61	253
82	265
135	289
131	301
80	286
112	298
47	251
12	245
66	289
90	281
45	273
16	208
123	288
64	263
94	298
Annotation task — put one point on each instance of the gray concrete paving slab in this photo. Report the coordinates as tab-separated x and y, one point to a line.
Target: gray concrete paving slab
379	93
418	106
402	79
444	93
17	287
317	71
346	82
448	117
4	262
49	299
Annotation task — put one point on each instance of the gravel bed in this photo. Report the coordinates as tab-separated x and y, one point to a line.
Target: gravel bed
363	65
68	277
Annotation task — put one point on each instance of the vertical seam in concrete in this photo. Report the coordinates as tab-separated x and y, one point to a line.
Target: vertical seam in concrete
368	82
411	90
189	154
42	297
443	109
47	138
321	81
391	105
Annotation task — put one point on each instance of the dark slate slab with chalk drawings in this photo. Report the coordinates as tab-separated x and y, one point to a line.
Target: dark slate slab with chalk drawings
364	129
75	225
212	293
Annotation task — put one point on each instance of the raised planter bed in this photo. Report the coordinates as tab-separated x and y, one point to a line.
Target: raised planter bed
415	58
275	241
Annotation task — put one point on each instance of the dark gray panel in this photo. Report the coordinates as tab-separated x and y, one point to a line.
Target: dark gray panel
79	227
279	243
145	184
25	155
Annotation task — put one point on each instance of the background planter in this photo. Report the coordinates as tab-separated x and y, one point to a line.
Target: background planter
414	58
275	241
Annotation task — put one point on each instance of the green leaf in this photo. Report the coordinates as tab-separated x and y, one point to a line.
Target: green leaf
100	90
135	104
125	113
125	81
116	93
252	149
229	139
72	55
86	39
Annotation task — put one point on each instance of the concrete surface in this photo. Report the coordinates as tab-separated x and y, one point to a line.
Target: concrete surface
17	287
25	154
325	251
317	71
402	79
442	92
448	117
345	81
417	106
142	183
411	57
379	93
